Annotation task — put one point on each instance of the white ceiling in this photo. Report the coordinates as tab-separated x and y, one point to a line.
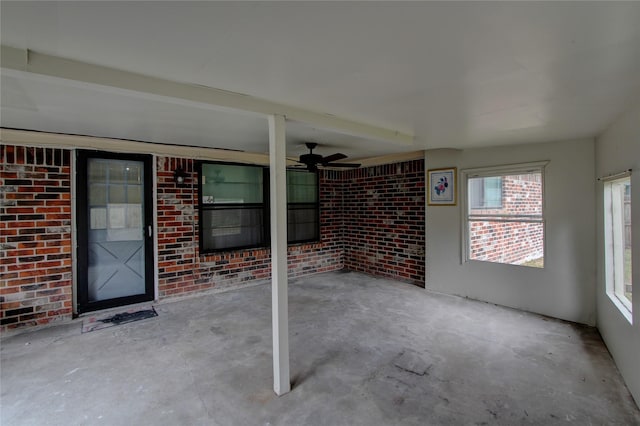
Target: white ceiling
454	74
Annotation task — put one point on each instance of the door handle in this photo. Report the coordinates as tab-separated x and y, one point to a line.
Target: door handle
149	231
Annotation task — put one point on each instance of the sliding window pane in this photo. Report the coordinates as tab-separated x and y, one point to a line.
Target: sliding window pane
511	242
231	184
302	224
302	187
493	192
232	228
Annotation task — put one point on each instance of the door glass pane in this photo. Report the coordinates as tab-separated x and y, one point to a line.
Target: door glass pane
134	194
116	193
98	195
116	229
98	172
134	174
117	172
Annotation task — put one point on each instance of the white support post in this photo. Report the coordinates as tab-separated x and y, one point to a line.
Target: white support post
279	296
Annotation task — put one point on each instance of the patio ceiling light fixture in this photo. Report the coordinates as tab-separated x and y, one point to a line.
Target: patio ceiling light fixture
179	176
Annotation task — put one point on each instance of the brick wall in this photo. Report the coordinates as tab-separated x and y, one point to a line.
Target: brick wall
371	220
384	216
35	263
511	242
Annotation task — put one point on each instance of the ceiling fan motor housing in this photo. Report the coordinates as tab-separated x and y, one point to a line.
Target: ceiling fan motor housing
311	158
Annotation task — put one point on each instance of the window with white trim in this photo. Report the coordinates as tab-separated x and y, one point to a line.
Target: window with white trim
617	229
504	214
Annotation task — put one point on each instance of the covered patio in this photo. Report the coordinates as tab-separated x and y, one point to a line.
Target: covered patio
364	351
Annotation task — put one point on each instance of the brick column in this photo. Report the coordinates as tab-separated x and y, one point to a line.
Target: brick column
35	236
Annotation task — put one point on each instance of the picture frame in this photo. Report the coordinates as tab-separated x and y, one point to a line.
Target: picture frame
442	186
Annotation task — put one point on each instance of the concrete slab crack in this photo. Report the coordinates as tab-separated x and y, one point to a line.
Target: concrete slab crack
195	385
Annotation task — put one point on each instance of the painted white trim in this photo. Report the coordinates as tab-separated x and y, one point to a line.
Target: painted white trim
54	66
464	215
503	170
507	169
31	138
279	292
48	140
388	159
614	266
616	176
156	274
622	307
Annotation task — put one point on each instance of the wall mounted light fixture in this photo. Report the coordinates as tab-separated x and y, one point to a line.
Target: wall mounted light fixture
179	176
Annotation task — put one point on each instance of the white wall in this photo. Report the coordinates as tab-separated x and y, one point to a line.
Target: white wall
618	149
565	288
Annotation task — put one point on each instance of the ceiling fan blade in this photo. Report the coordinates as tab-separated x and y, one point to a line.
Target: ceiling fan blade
342	165
333	157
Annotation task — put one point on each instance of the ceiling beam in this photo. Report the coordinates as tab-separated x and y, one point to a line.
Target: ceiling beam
56	140
53	66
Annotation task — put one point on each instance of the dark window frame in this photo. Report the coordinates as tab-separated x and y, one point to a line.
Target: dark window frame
265	206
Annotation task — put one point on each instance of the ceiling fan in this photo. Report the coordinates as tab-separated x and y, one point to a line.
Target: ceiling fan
312	161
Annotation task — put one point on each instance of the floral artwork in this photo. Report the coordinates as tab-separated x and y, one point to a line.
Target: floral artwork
442	187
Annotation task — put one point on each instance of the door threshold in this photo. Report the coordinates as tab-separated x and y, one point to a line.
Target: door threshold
117	309
114	317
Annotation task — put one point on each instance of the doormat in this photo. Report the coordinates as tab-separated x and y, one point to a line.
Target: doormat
110	319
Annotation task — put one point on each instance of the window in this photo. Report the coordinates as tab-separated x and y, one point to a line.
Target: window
302	207
504	215
234	207
232	213
617	215
485	192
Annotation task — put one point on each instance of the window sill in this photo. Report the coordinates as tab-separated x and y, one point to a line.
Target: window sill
313	244
621	307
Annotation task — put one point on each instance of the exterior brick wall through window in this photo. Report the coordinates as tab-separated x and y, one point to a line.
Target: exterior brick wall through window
511	229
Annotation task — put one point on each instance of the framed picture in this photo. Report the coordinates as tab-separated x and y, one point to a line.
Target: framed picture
442	186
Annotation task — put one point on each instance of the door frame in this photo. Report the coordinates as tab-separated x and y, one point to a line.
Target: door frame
82	220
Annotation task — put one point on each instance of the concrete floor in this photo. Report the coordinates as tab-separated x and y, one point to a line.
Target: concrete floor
364	351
